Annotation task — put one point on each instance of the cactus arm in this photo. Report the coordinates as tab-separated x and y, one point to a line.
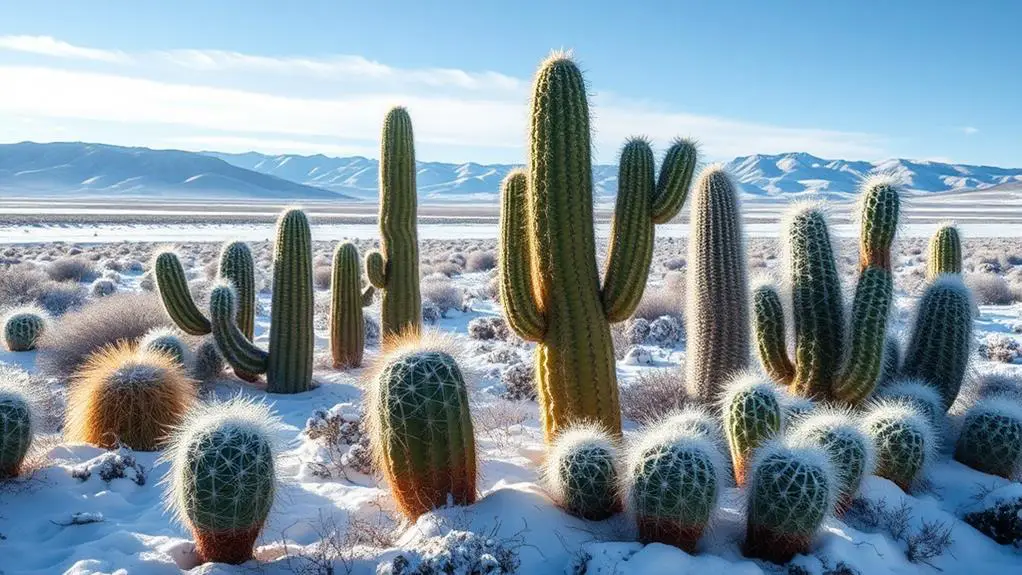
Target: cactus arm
292	336
235	347
173	288
631	233
675	179
516	295
376	269
367	295
768	327
867	332
236	265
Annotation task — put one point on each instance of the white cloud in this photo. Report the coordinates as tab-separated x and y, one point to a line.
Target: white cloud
969	130
49	46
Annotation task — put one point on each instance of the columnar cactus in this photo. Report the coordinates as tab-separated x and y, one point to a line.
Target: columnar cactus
945	252
549	280
673	480
941	339
581	474
17	421
991	438
832	360
288	363
850	449
792	488
752	414
168	341
23	327
717	309
421	429
222	477
395	268
904	440
347	298
892	362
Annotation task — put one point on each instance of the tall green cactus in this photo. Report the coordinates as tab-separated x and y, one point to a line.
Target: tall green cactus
347	324
395	268
945	252
550	284
752	413
288	363
717	311
832	360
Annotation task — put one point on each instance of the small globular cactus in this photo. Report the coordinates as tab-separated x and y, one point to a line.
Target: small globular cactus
17	420
991	438
944	254
581	472
920	394
792	488
673	479
169	341
207	363
903	438
421	428
347	298
850	449
752	412
23	327
222	478
696	420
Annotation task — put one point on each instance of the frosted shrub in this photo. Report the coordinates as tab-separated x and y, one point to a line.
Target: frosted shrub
456	553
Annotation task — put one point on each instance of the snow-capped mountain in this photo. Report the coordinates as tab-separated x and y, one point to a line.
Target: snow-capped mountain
74	169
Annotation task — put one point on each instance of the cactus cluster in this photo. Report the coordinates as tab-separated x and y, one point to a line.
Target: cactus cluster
17	421
752	412
991	438
581	472
903	438
347	298
23	328
944	254
168	341
550	285
850	449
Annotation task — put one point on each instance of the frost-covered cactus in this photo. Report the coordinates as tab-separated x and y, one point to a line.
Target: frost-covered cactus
892	362
904	440
991	438
347	298
696	420
17	420
920	394
941	341
23	327
581	473
850	449
421	428
222	477
168	341
550	285
752	413
395	268
796	407
717	296
288	362
944	255
673	479
207	363
792	488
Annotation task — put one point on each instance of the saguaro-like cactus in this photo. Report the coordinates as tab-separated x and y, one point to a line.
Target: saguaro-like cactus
395	268
23	327
421	430
991	438
904	440
549	281
850	449
944	255
832	360
347	324
288	363
581	474
17	419
717	311
752	412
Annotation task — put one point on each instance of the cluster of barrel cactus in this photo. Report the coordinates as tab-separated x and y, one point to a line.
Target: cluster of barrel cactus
23	327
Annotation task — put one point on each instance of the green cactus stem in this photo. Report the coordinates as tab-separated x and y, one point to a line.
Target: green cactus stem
752	413
944	254
991	438
347	298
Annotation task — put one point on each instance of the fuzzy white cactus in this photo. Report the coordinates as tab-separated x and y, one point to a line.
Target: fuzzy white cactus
169	341
752	413
850	449
904	440
919	393
581	474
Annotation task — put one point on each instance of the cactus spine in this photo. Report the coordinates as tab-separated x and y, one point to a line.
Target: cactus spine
421	430
17	422
851	451
548	265
904	440
581	474
752	414
23	327
717	313
991	438
347	324
944	252
288	363
395	268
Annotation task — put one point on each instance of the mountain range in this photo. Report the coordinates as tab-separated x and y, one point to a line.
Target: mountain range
72	169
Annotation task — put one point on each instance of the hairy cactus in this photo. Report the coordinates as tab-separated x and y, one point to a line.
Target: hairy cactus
347	324
832	360
920	394
717	308
940	344
168	341
991	438
904	440
127	396
850	449
792	488
207	363
421	429
752	414
945	252
23	327
550	286
288	363
222	477
581	474
673	479
17	421
395	268
696	420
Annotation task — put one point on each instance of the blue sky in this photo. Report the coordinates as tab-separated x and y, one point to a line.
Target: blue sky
840	79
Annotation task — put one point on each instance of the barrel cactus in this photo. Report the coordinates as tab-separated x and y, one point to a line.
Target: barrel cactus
581	472
395	268
792	488
288	362
752	413
904	440
17	420
850	449
169	341
920	394
347	298
421	428
549	283
717	308
697	420
23	327
991	438
207	363
222	478
944	254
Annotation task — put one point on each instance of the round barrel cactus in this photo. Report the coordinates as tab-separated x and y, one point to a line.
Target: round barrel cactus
991	438
581	473
169	341
919	393
23	327
698	420
903	438
752	414
16	420
849	447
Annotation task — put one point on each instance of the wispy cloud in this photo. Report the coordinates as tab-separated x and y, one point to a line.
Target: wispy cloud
969	130
49	46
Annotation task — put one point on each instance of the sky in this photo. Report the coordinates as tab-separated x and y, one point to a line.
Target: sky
849	79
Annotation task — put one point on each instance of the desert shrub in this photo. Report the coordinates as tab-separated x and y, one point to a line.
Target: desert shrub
77	269
658	301
133	267
59	298
999	347
636	331
444	294
457	552
321	277
103	287
674	264
480	261
113	265
18	283
112	276
990	289
341	434
372	327
519	380
654	394
666	331
488	328
430	312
